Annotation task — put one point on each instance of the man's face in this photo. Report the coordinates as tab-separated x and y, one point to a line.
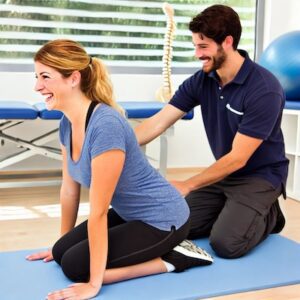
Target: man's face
209	52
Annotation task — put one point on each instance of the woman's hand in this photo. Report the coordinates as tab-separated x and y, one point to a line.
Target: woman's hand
77	291
44	255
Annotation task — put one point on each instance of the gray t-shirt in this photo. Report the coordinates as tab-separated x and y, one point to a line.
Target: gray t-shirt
141	193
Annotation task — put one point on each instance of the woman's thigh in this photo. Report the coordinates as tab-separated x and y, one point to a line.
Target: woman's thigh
80	233
135	242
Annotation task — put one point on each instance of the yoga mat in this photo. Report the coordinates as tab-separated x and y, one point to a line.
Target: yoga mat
275	262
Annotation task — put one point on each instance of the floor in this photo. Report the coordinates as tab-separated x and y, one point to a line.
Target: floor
29	218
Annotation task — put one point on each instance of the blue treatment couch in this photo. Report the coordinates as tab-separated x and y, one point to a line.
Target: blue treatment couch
15	113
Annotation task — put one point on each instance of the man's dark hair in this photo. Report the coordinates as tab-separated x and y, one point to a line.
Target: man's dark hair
216	22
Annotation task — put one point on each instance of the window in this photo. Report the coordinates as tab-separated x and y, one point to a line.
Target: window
121	32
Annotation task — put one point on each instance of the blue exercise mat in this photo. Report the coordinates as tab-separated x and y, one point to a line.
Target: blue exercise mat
275	262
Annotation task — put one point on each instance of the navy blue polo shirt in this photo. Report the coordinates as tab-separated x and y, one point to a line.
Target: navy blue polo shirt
251	104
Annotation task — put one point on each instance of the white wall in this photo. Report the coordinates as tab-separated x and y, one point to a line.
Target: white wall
281	17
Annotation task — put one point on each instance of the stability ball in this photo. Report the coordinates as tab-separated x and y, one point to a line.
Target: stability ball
282	58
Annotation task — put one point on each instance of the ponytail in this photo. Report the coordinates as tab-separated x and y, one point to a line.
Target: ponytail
96	84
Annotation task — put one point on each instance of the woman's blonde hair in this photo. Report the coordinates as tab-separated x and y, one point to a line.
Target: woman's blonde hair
67	56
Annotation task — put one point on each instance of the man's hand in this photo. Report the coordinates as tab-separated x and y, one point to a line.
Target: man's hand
181	186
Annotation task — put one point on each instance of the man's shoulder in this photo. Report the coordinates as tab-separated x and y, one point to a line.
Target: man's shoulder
264	73
262	78
198	78
256	72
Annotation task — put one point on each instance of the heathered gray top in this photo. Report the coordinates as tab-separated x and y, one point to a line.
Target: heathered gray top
141	193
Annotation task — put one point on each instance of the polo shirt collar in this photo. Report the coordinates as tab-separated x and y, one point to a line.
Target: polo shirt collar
242	73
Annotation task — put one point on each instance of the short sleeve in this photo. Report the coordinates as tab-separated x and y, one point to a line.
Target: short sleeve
108	133
187	95
63	125
261	115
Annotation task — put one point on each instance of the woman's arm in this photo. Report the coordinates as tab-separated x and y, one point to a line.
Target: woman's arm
69	197
106	170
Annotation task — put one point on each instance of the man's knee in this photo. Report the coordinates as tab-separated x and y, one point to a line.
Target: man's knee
228	247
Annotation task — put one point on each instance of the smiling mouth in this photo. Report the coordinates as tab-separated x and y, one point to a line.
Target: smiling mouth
205	60
49	97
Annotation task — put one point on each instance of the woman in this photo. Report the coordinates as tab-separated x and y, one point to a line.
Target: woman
148	217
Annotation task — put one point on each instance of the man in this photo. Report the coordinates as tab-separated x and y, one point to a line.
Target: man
233	201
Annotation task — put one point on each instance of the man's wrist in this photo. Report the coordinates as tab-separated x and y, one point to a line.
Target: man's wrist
190	185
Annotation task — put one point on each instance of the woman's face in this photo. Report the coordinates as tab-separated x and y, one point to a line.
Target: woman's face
51	84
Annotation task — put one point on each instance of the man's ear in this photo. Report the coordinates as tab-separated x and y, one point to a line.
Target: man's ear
228	42
75	78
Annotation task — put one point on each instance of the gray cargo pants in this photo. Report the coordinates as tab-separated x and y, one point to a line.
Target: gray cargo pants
236	214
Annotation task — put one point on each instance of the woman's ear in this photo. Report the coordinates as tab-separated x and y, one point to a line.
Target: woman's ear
75	78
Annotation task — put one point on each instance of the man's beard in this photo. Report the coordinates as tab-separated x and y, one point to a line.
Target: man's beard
217	60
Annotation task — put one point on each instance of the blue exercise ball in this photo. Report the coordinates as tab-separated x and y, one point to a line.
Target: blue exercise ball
282	58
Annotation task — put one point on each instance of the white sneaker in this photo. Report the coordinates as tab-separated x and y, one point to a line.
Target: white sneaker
187	255
188	248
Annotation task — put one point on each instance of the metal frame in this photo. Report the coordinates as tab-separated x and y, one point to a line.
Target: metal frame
260	28
30	148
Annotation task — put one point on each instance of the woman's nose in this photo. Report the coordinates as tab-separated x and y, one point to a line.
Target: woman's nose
38	86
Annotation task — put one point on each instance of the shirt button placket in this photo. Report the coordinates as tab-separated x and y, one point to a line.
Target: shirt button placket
220	97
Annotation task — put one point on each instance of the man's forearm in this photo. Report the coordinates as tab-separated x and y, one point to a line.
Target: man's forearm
223	167
147	131
153	127
243	148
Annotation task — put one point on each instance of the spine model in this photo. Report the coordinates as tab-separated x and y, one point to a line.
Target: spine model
165	93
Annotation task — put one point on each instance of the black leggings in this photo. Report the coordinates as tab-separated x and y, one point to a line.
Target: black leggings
129	243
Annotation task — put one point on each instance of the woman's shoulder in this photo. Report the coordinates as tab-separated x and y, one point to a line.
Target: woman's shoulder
106	113
109	119
64	123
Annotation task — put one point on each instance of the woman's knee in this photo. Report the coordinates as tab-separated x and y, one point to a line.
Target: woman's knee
74	269
58	251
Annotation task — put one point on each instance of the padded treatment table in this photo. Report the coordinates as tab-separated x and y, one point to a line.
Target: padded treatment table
14	113
275	262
